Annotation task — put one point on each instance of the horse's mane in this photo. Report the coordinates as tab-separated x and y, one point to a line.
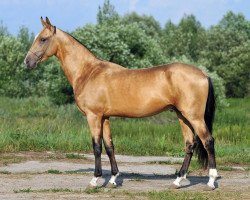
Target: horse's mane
78	42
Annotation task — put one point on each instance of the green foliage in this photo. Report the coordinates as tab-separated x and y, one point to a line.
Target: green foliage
145	22
12	82
3	29
106	13
25	38
55	83
16	80
227	52
186	38
124	44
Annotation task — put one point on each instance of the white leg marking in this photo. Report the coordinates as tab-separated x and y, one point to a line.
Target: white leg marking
113	179
179	179
212	177
93	181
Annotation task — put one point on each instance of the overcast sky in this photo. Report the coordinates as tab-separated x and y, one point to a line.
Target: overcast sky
70	14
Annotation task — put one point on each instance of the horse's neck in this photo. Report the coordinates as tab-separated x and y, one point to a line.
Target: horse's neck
75	58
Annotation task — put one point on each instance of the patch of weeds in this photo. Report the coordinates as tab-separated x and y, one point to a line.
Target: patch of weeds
76	172
74	156
53	190
191	195
226	168
25	190
166	162
5	172
54	171
131	195
5	160
55	156
93	190
137	180
247	168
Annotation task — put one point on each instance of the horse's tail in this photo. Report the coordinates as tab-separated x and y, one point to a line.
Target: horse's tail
209	118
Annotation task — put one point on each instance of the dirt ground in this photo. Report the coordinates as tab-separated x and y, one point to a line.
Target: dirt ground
56	176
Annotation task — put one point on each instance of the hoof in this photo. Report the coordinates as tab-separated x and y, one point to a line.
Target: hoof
111	185
208	188
173	186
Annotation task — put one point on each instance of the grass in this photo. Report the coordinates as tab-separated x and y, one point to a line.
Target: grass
34	124
7	159
51	190
217	195
54	171
152	195
5	172
74	156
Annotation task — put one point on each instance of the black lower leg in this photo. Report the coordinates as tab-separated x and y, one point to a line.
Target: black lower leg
97	146
111	155
187	159
209	145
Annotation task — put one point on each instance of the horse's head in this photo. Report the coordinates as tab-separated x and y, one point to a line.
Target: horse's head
44	45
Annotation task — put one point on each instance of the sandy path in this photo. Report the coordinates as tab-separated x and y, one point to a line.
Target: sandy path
137	174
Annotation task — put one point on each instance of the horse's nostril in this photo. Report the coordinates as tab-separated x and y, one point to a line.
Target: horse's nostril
26	61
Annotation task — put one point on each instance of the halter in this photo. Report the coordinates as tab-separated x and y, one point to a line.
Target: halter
40	57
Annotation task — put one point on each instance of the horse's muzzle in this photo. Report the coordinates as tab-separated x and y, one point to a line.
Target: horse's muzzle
30	62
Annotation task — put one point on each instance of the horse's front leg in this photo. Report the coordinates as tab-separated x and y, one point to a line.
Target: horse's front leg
110	152
95	125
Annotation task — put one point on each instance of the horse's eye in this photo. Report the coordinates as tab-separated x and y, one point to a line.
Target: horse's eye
43	39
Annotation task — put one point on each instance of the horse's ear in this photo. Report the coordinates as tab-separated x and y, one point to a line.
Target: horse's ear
50	26
48	22
43	22
54	29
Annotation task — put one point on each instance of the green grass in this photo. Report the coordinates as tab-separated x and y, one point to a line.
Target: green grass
34	124
152	195
216	195
54	171
5	172
74	156
51	190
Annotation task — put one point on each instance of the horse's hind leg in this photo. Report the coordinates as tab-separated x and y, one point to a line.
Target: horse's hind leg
188	135
108	143
208	143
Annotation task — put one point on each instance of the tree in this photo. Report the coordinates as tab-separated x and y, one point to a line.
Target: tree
3	29
25	38
227	53
124	44
106	12
184	39
12	73
145	22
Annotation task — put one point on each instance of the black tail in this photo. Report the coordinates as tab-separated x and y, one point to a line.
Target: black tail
209	118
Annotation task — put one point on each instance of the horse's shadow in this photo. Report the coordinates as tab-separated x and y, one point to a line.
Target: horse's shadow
193	180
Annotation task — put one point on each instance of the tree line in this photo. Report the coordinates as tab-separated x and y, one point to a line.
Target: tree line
136	41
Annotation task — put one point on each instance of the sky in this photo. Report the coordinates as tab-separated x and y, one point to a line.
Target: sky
70	14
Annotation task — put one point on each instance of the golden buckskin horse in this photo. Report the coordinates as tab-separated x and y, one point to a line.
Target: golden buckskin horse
103	89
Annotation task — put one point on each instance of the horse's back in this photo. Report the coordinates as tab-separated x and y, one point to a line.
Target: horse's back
142	92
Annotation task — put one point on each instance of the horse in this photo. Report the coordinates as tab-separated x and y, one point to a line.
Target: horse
103	89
